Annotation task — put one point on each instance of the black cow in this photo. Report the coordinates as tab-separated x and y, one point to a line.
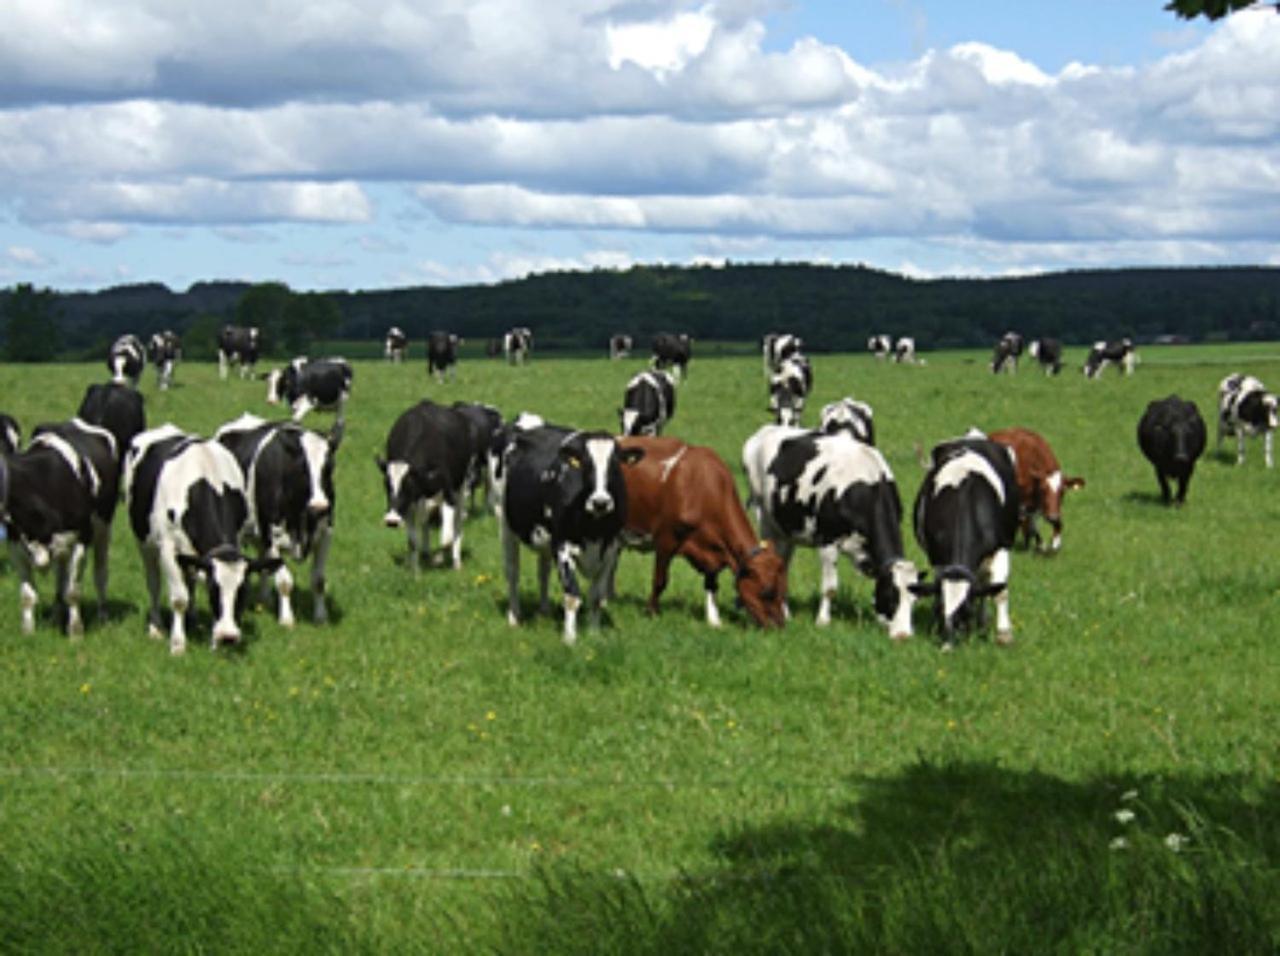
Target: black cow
1048	352
648	403
837	494
239	346
1007	352
442	355
304	384
484	421
1119	353
189	509
565	498
117	408
396	345
1245	407
10	434
776	348
881	346
673	351
620	345
517	343
126	359
788	389
1171	434
163	350
849	415
966	518
428	461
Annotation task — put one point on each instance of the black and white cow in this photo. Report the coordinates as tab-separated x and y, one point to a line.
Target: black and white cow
288	473
126	359
484	421
776	348
788	389
1171	434
849	414
565	498
1245	407
428	462
966	517
904	350
239	346
10	434
672	351
304	384
620	345
837	494
163	350
189	510
1007	352
60	497
117	408
396	346
648	403
1119	353
1048	352
503	439
881	346
442	355
517	343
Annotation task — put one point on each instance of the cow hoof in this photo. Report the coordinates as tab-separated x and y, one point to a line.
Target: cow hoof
512	619
900	636
1004	638
154	633
177	650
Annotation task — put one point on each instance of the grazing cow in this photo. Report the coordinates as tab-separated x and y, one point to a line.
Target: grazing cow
620	345
904	350
288	472
777	348
517	343
1007	352
1171	434
188	509
966	519
163	350
239	346
1120	353
681	500
60	497
1041	485
126	359
836	494
428	461
118	409
672	350
1048	352
1245	407
396	346
788	389
881	346
565	498
851	416
483	422
304	384
10	434
442	355
648	404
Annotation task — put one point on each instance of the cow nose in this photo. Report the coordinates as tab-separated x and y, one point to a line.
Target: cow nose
226	634
599	504
392	519
318	506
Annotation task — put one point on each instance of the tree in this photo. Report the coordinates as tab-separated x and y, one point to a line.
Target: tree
263	307
307	317
1212	9
30	325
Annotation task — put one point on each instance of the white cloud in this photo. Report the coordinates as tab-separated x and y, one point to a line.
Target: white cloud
660	46
27	257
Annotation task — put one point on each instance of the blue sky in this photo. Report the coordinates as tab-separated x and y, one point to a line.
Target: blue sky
336	144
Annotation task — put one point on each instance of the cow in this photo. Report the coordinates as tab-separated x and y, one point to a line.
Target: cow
496	454
620	345
396	345
189	509
442	355
163	350
788	389
59	498
776	348
1119	353
1007	352
239	346
117	408
517	343
10	434
428	461
126	359
1041	484
1048	352
881	346
966	518
836	494
849	414
566	499
1171	434
288	473
672	350
904	350
304	384
648	403
681	500
1245	407
483	422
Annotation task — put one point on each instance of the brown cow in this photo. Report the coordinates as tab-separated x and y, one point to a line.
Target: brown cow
1041	485
681	499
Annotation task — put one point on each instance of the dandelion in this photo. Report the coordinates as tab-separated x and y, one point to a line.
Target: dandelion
951	725
506	809
490	715
1124	816
1119	843
1176	841
86	687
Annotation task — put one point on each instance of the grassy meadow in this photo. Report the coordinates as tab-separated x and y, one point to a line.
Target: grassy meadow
418	777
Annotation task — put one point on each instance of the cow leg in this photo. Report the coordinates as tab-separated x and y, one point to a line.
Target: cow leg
785	550
661	571
1164	486
412	520
222	365
179	599
830	581
151	565
1240	447
1266	447
709	586
319	559
998	573
70	569
511	568
283	580
451	529
544	582
101	551
572	594
27	596
600	581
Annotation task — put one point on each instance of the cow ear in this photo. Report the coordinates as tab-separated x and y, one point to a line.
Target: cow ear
192	562
923	588
990	590
630	456
381	463
1069	483
266	565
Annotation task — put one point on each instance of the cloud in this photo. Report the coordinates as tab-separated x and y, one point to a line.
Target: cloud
26	257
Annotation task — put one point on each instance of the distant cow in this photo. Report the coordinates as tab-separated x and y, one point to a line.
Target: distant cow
428	460
836	494
1007	352
126	359
1119	353
648	403
850	415
966	518
620	345
1171	434
118	409
776	348
10	434
442	355
881	346
1245	407
1041	484
1048	352
788	389
681	500
672	351
304	384
163	350
565	498
288	473
517	343
188	509
239	346
396	345
904	350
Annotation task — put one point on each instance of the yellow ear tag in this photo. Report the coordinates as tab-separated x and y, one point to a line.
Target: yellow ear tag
574	462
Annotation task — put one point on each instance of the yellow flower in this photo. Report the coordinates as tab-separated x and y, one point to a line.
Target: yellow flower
86	687
490	715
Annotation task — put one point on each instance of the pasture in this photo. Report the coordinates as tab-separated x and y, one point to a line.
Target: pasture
418	777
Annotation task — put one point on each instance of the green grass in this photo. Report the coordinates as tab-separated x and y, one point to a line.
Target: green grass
419	777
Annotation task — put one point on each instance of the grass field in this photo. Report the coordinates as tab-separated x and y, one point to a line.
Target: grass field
418	777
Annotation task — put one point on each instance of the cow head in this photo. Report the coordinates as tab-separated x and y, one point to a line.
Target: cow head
590	473
895	595
1047	495
849	415
1269	403
275	390
226	571
404	485
762	585
957	595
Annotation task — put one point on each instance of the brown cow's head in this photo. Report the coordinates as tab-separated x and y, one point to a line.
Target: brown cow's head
1050	491
762	586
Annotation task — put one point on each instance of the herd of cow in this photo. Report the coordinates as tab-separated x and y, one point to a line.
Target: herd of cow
258	495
